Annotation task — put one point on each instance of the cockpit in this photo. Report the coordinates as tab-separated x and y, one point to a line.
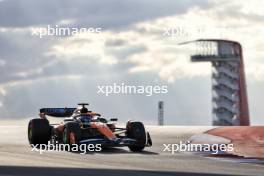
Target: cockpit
84	119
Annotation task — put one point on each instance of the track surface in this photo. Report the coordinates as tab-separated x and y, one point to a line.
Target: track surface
16	158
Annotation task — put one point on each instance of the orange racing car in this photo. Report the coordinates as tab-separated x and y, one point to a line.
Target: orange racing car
81	126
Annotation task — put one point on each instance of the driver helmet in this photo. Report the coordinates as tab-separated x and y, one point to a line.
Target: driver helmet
84	110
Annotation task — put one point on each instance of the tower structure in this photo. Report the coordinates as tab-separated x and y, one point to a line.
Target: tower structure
229	92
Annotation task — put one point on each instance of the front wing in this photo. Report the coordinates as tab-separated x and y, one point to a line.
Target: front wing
118	142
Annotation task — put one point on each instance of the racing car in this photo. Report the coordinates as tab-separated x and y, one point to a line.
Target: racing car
81	126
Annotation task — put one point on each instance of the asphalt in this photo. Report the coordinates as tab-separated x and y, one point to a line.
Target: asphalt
16	158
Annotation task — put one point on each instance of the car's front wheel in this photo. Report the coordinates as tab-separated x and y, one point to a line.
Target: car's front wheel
136	130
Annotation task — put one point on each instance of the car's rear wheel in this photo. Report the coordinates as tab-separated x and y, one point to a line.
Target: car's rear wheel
71	133
136	130
39	131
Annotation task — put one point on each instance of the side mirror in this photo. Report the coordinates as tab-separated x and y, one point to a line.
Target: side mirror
113	119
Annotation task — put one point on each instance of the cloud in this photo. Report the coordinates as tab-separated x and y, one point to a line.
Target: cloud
83	46
3	91
140	41
145	48
106	14
2	62
135	45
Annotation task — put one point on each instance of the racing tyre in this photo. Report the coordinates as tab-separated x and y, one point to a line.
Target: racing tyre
136	130
71	133
39	131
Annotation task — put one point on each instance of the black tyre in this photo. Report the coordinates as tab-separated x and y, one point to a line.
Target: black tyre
39	131
136	130
71	133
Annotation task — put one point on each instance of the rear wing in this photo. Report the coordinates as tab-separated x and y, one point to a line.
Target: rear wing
58	112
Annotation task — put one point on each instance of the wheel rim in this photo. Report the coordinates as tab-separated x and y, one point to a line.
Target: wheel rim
72	138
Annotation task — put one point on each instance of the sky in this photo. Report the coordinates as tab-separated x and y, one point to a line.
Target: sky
135	46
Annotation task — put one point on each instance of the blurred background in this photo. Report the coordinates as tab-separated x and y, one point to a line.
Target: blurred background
137	45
